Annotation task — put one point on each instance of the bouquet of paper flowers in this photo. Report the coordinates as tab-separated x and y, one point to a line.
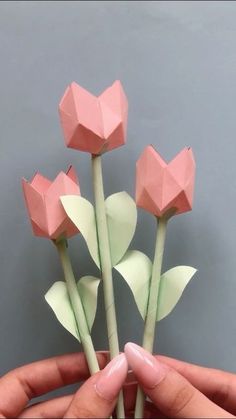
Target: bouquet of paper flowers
57	211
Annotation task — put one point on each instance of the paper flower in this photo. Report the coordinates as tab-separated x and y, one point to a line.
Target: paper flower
162	186
42	197
94	124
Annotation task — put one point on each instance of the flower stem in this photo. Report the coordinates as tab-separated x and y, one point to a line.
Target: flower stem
77	307
106	266
152	308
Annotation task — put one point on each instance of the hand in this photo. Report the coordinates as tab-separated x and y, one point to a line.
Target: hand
96	397
181	390
177	389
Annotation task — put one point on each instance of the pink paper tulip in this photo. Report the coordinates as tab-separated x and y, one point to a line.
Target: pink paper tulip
94	124
162	186
42	197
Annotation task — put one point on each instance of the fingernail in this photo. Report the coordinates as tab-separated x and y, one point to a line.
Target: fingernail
112	377
146	368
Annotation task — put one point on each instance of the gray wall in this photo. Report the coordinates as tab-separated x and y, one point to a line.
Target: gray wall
177	62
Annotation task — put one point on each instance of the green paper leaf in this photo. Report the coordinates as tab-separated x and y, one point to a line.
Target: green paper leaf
122	219
173	283
136	269
88	290
58	299
81	213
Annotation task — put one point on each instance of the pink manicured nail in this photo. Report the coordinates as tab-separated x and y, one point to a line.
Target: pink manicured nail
112	377
146	368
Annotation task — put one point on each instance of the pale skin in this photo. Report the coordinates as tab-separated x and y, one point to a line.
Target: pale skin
175	389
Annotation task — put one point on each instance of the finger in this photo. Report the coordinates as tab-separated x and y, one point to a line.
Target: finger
150	412
169	390
129	391
219	386
57	407
98	395
52	409
27	382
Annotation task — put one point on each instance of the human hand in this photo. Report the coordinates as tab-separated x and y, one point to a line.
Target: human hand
176	388
96	398
181	390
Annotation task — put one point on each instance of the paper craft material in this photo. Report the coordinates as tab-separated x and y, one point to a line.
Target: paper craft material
57	211
121	215
58	299
136	269
94	124
164	190
42	197
106	266
162	186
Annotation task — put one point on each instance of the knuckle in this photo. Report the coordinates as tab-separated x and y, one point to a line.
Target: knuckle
181	399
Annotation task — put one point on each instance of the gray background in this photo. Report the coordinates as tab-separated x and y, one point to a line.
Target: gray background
177	63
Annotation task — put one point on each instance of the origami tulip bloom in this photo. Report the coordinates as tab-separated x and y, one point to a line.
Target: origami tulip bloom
161	187
163	190
49	219
94	124
46	212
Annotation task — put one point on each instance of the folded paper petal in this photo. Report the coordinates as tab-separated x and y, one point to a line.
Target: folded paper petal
40	183
94	124
42	197
161	186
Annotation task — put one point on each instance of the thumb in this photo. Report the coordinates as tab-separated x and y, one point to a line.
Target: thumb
172	394
97	397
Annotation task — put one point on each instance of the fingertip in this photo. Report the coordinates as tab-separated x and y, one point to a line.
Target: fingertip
112	377
135	354
98	395
130	348
144	365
